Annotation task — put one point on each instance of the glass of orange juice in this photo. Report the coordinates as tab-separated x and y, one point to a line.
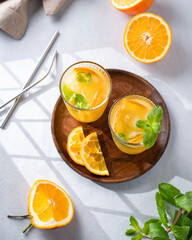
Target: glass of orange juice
122	122
85	88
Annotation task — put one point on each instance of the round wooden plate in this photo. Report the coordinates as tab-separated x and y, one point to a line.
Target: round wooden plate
122	167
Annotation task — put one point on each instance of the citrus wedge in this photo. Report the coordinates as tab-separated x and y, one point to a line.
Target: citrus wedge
49	206
92	155
132	6
74	141
147	37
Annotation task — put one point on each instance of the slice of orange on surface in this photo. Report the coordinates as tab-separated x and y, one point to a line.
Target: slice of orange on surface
49	206
132	6
92	155
74	141
147	37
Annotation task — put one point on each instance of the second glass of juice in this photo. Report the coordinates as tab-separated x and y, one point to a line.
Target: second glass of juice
85	88
122	122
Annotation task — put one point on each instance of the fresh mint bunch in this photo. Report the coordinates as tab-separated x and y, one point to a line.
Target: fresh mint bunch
152	126
159	229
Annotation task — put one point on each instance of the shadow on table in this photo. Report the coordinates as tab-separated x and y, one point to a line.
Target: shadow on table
70	231
77	226
168	167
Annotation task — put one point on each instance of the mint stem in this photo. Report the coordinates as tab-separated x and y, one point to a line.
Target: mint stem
174	222
146	236
187	213
30	224
21	216
176	219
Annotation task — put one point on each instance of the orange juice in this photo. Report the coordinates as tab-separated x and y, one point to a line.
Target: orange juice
122	120
85	88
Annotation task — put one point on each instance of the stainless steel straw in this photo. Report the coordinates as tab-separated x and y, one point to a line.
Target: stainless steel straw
32	85
31	77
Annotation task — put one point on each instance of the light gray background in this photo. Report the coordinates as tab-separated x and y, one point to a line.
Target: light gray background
90	30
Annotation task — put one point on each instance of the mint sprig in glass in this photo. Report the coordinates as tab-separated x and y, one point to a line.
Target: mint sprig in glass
85	88
152	126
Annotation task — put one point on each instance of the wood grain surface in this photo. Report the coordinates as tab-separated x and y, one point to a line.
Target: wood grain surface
122	167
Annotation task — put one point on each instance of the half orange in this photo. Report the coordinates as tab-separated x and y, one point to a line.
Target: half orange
49	206
132	6
147	37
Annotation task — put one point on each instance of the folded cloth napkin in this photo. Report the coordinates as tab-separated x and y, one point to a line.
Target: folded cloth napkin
52	6
13	15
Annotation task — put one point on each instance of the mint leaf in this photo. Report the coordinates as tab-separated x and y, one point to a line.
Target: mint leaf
156	127
89	78
141	124
149	137
152	127
68	93
169	192
184	221
80	101
130	232
146	225
139	236
190	215
122	136
185	201
161	209
84	77
155	115
156	231
134	224
180	233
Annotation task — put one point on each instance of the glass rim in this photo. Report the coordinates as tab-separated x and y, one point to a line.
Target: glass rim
87	109
109	123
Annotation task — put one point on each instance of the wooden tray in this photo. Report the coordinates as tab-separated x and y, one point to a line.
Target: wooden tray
122	167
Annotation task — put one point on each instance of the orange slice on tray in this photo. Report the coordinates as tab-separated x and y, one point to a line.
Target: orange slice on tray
49	206
147	37
92	155
74	141
132	6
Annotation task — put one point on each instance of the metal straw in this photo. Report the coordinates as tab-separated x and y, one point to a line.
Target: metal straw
32	85
31	77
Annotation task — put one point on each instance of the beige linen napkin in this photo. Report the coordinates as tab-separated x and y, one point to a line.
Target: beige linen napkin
52	6
13	15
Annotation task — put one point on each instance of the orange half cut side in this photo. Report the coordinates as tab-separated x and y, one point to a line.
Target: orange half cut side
147	37
49	206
